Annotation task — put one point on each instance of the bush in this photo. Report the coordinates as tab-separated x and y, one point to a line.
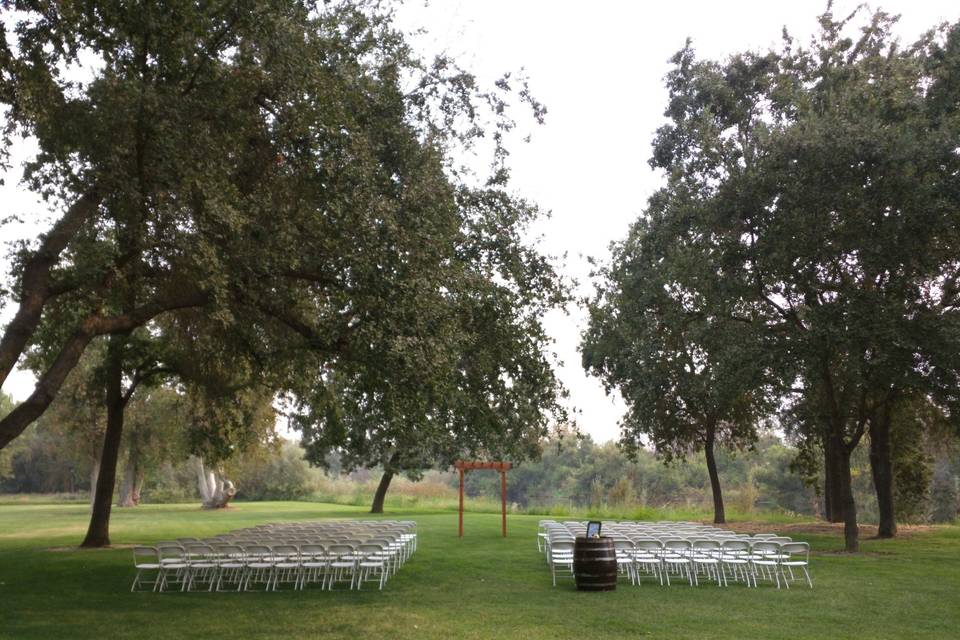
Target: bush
943	494
278	475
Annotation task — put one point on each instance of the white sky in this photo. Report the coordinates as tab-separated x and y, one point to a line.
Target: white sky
598	67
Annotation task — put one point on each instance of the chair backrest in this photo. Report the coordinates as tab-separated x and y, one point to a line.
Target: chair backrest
795	548
170	552
623	545
257	550
145	555
341	549
680	546
648	545
736	547
562	547
312	551
198	550
370	548
289	551
706	545
229	551
765	547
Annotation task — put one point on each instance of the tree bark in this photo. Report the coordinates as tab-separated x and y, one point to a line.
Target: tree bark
98	533
851	531
881	468
35	289
381	492
832	494
719	517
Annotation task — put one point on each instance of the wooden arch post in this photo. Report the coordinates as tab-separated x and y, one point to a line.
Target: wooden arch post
502	467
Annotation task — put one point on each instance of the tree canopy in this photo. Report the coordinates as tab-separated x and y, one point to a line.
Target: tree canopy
273	185
818	185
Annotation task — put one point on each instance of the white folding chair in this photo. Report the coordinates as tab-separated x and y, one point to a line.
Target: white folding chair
372	560
765	561
561	558
646	559
259	560
676	558
173	566
624	551
201	565
343	562
286	565
146	560
230	565
314	562
795	555
705	555
735	556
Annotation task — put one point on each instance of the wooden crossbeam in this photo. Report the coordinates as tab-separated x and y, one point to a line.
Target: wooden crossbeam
467	465
502	467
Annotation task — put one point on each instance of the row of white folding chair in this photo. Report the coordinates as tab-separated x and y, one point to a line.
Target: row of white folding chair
690	558
406	541
744	560
200	564
401	549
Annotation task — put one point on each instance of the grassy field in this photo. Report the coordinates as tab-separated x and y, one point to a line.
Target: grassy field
482	586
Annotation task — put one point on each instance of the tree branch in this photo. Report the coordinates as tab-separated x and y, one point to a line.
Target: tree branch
93	325
35	287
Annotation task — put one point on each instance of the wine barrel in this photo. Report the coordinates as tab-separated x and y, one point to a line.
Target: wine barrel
595	564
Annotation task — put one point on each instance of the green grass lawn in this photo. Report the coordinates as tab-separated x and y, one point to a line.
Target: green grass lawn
482	586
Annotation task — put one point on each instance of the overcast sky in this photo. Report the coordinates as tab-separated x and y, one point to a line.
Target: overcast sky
598	67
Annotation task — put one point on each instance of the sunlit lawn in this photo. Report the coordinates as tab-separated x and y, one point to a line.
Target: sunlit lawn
479	587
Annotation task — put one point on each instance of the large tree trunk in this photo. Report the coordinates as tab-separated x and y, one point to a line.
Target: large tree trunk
851	531
881	467
832	486
215	491
718	514
98	533
381	493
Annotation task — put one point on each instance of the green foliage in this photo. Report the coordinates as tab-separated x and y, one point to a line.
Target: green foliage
944	500
277	211
281	475
582	475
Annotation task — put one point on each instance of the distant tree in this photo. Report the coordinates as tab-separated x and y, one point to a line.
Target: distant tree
943	493
692	377
153	435
221	427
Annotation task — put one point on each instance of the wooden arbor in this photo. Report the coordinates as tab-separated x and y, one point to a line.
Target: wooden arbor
502	467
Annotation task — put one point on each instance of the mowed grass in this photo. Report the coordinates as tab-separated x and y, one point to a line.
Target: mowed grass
481	586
